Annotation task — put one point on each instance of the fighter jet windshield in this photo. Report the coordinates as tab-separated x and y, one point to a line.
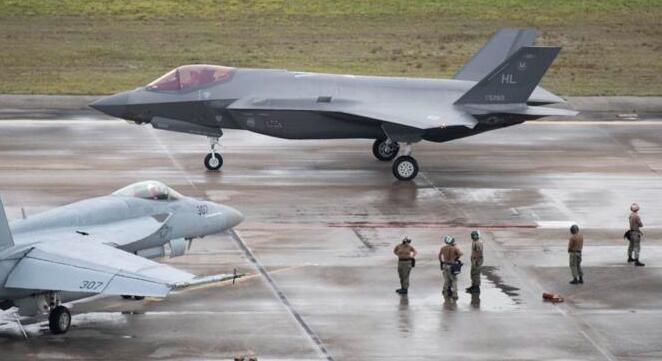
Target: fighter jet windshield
191	76
151	190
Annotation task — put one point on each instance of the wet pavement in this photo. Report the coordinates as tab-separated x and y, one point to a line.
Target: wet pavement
321	221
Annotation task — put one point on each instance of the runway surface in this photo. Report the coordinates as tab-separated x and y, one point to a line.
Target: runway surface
322	218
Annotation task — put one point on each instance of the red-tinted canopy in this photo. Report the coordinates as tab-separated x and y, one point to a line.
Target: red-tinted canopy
191	76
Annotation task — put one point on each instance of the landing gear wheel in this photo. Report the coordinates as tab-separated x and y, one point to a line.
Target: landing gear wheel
405	168
126	297
384	150
213	161
138	298
59	320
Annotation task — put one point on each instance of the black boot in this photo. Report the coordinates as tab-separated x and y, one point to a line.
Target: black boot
581	280
574	281
399	290
638	264
473	289
630	259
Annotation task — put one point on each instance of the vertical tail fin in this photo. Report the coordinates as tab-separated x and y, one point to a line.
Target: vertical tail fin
6	239
514	80
500	46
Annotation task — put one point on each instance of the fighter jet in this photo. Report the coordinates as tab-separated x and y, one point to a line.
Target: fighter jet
100	246
497	88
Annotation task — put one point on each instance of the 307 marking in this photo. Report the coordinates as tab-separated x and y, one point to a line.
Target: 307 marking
202	210
91	285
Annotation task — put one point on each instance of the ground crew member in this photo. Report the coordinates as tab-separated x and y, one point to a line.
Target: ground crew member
476	262
406	258
449	256
575	245
635	235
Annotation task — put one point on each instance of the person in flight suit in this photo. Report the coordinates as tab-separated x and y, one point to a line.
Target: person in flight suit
449	256
476	261
634	235
575	245
406	258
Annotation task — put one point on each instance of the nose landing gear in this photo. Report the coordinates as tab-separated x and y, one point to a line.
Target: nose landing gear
213	160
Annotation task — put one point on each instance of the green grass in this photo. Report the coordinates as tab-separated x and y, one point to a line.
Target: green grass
95	47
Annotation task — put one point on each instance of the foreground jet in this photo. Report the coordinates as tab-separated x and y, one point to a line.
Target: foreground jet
100	246
495	89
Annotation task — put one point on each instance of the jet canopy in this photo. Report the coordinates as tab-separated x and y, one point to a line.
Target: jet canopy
191	76
151	190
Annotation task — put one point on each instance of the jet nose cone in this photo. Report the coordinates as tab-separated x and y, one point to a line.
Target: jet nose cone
234	217
226	216
113	105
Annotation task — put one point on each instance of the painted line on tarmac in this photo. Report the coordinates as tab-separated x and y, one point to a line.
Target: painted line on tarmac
281	296
362	238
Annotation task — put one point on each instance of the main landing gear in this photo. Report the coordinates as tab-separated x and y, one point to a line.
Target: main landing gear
405	167
213	160
59	320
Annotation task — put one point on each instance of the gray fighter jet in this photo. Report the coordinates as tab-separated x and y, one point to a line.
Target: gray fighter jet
101	246
497	88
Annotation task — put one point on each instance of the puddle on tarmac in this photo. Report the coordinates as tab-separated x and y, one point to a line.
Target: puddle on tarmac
490	273
495	295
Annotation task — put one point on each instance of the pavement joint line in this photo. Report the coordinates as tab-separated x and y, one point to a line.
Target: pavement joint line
362	238
434	186
282	297
173	160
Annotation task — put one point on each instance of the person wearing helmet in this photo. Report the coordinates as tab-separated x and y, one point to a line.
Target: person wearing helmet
449	256
476	262
406	258
575	245
634	235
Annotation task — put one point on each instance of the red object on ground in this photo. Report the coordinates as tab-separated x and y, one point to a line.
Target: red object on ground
552	297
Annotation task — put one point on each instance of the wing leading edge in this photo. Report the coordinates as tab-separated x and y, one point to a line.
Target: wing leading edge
91	267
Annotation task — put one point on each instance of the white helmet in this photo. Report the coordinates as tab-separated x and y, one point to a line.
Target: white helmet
634	207
449	239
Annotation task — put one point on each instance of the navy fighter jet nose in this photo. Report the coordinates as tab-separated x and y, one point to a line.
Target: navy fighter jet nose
113	105
234	217
226	217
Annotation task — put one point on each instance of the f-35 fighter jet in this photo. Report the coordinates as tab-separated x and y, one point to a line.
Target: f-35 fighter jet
497	88
101	246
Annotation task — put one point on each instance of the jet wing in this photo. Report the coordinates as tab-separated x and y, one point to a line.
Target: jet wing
91	267
421	115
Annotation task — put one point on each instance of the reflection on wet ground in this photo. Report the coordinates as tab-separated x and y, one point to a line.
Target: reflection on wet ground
490	272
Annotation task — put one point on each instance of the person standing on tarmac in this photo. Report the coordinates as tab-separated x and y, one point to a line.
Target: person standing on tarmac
575	245
406	261
449	256
634	235
476	262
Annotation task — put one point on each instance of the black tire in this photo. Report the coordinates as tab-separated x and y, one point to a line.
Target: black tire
138	298
126	297
383	152
59	320
405	168
213	164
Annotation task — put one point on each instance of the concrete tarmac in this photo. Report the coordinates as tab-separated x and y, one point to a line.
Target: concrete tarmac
322	218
